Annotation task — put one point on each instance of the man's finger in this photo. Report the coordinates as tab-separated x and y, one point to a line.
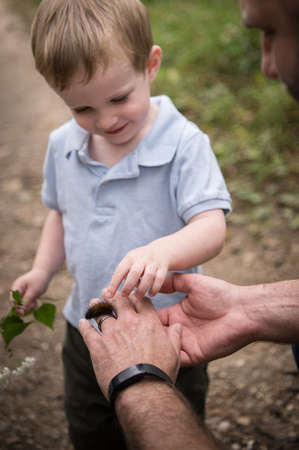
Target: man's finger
118	302
174	333
121	304
143	305
102	322
87	331
163	315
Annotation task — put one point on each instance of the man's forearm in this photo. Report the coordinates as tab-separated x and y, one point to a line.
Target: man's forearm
153	415
273	310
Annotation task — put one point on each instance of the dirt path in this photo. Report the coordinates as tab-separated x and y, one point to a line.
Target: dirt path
253	400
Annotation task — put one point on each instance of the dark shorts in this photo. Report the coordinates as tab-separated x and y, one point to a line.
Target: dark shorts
91	422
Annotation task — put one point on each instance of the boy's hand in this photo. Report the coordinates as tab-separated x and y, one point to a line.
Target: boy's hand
30	285
145	267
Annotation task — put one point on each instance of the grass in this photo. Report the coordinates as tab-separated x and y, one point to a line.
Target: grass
211	71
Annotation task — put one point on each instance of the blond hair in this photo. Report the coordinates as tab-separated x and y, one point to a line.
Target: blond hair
70	34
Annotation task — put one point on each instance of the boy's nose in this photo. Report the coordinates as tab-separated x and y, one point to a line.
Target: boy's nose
105	121
268	65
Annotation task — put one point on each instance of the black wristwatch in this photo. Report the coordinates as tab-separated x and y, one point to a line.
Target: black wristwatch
131	376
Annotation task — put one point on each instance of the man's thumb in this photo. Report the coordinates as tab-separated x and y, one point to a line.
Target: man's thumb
175	332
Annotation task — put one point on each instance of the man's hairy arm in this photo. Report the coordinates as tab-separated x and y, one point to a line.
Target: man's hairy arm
154	415
220	318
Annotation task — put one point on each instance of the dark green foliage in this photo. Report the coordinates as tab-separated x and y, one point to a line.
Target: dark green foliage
13	324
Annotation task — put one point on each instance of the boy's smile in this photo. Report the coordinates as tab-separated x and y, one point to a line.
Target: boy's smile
114	106
116	131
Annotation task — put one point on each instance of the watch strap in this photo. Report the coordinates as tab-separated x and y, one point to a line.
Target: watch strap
131	376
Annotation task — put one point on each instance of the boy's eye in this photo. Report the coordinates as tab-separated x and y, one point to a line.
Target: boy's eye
120	99
81	110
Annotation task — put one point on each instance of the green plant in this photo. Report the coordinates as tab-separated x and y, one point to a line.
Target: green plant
12	324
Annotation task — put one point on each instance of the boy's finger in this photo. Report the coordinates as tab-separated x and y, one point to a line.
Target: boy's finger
132	279
115	282
158	282
142	289
146	281
30	305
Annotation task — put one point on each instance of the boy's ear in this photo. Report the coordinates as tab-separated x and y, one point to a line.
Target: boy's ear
154	62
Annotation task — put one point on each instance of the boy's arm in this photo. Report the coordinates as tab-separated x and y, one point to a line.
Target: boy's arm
48	260
199	241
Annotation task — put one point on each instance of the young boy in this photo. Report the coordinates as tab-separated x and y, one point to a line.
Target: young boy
134	189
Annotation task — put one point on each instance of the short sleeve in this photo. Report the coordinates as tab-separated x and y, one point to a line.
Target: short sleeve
49	188
200	183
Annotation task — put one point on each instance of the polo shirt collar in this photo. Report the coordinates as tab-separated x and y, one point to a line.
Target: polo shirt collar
156	149
160	144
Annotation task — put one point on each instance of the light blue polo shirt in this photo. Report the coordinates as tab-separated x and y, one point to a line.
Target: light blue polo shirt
152	192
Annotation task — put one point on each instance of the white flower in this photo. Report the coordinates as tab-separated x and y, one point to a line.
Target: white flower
4	378
25	367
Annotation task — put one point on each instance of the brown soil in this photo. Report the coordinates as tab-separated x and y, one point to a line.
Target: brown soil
253	397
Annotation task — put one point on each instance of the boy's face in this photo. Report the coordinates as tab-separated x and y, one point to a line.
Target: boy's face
115	104
278	21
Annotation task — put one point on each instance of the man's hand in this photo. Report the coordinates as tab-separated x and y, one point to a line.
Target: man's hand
137	336
214	321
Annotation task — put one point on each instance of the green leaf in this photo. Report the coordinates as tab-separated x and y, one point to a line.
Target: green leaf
18	300
17	296
46	314
12	326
